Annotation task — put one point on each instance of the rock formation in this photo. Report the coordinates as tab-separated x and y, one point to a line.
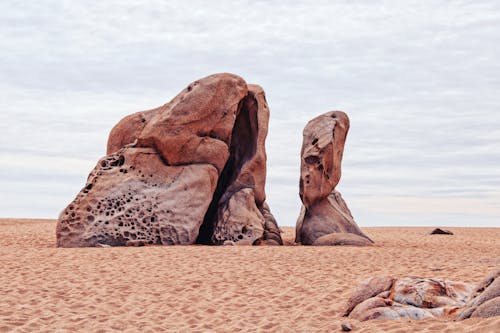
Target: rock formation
325	218
439	231
407	297
485	300
190	171
419	298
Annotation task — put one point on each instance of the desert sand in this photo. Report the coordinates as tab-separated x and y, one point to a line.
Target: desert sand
227	288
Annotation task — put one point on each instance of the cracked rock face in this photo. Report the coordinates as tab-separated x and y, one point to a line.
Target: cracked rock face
190	171
325	218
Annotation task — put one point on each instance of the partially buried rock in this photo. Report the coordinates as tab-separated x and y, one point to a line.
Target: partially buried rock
324	212
419	298
346	327
367	289
190	171
439	231
485	300
407	297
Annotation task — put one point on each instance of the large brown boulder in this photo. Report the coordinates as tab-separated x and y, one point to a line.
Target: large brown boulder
190	171
324	211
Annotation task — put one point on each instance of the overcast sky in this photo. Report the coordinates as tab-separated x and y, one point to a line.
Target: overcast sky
420	81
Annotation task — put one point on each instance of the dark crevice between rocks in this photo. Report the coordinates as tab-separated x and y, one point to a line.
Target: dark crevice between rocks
242	148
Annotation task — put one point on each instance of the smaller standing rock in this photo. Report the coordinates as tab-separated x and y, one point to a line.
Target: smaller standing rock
439	231
346	327
323	211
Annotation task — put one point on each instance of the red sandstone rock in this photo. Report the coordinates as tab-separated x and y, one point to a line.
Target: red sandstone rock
242	214
192	170
132	198
419	298
490	308
324	211
485	300
367	289
407	297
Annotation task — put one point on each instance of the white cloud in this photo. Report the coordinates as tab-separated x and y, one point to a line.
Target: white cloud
420	82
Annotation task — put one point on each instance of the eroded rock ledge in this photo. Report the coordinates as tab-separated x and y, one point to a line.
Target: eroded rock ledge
191	171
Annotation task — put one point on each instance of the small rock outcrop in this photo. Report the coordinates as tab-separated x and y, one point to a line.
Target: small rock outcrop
439	231
418	298
325	218
191	171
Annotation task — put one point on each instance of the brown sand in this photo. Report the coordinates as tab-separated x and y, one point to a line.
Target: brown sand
223	289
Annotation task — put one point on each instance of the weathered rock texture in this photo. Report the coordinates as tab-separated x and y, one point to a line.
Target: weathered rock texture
325	218
485	300
190	171
419	298
407	297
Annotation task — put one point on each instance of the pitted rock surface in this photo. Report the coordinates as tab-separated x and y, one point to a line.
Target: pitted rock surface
324	211
190	171
485	300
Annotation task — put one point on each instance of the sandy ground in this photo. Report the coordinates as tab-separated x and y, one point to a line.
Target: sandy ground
223	289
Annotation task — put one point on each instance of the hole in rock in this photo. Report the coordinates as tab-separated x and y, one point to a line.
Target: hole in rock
119	162
312	160
315	141
243	147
